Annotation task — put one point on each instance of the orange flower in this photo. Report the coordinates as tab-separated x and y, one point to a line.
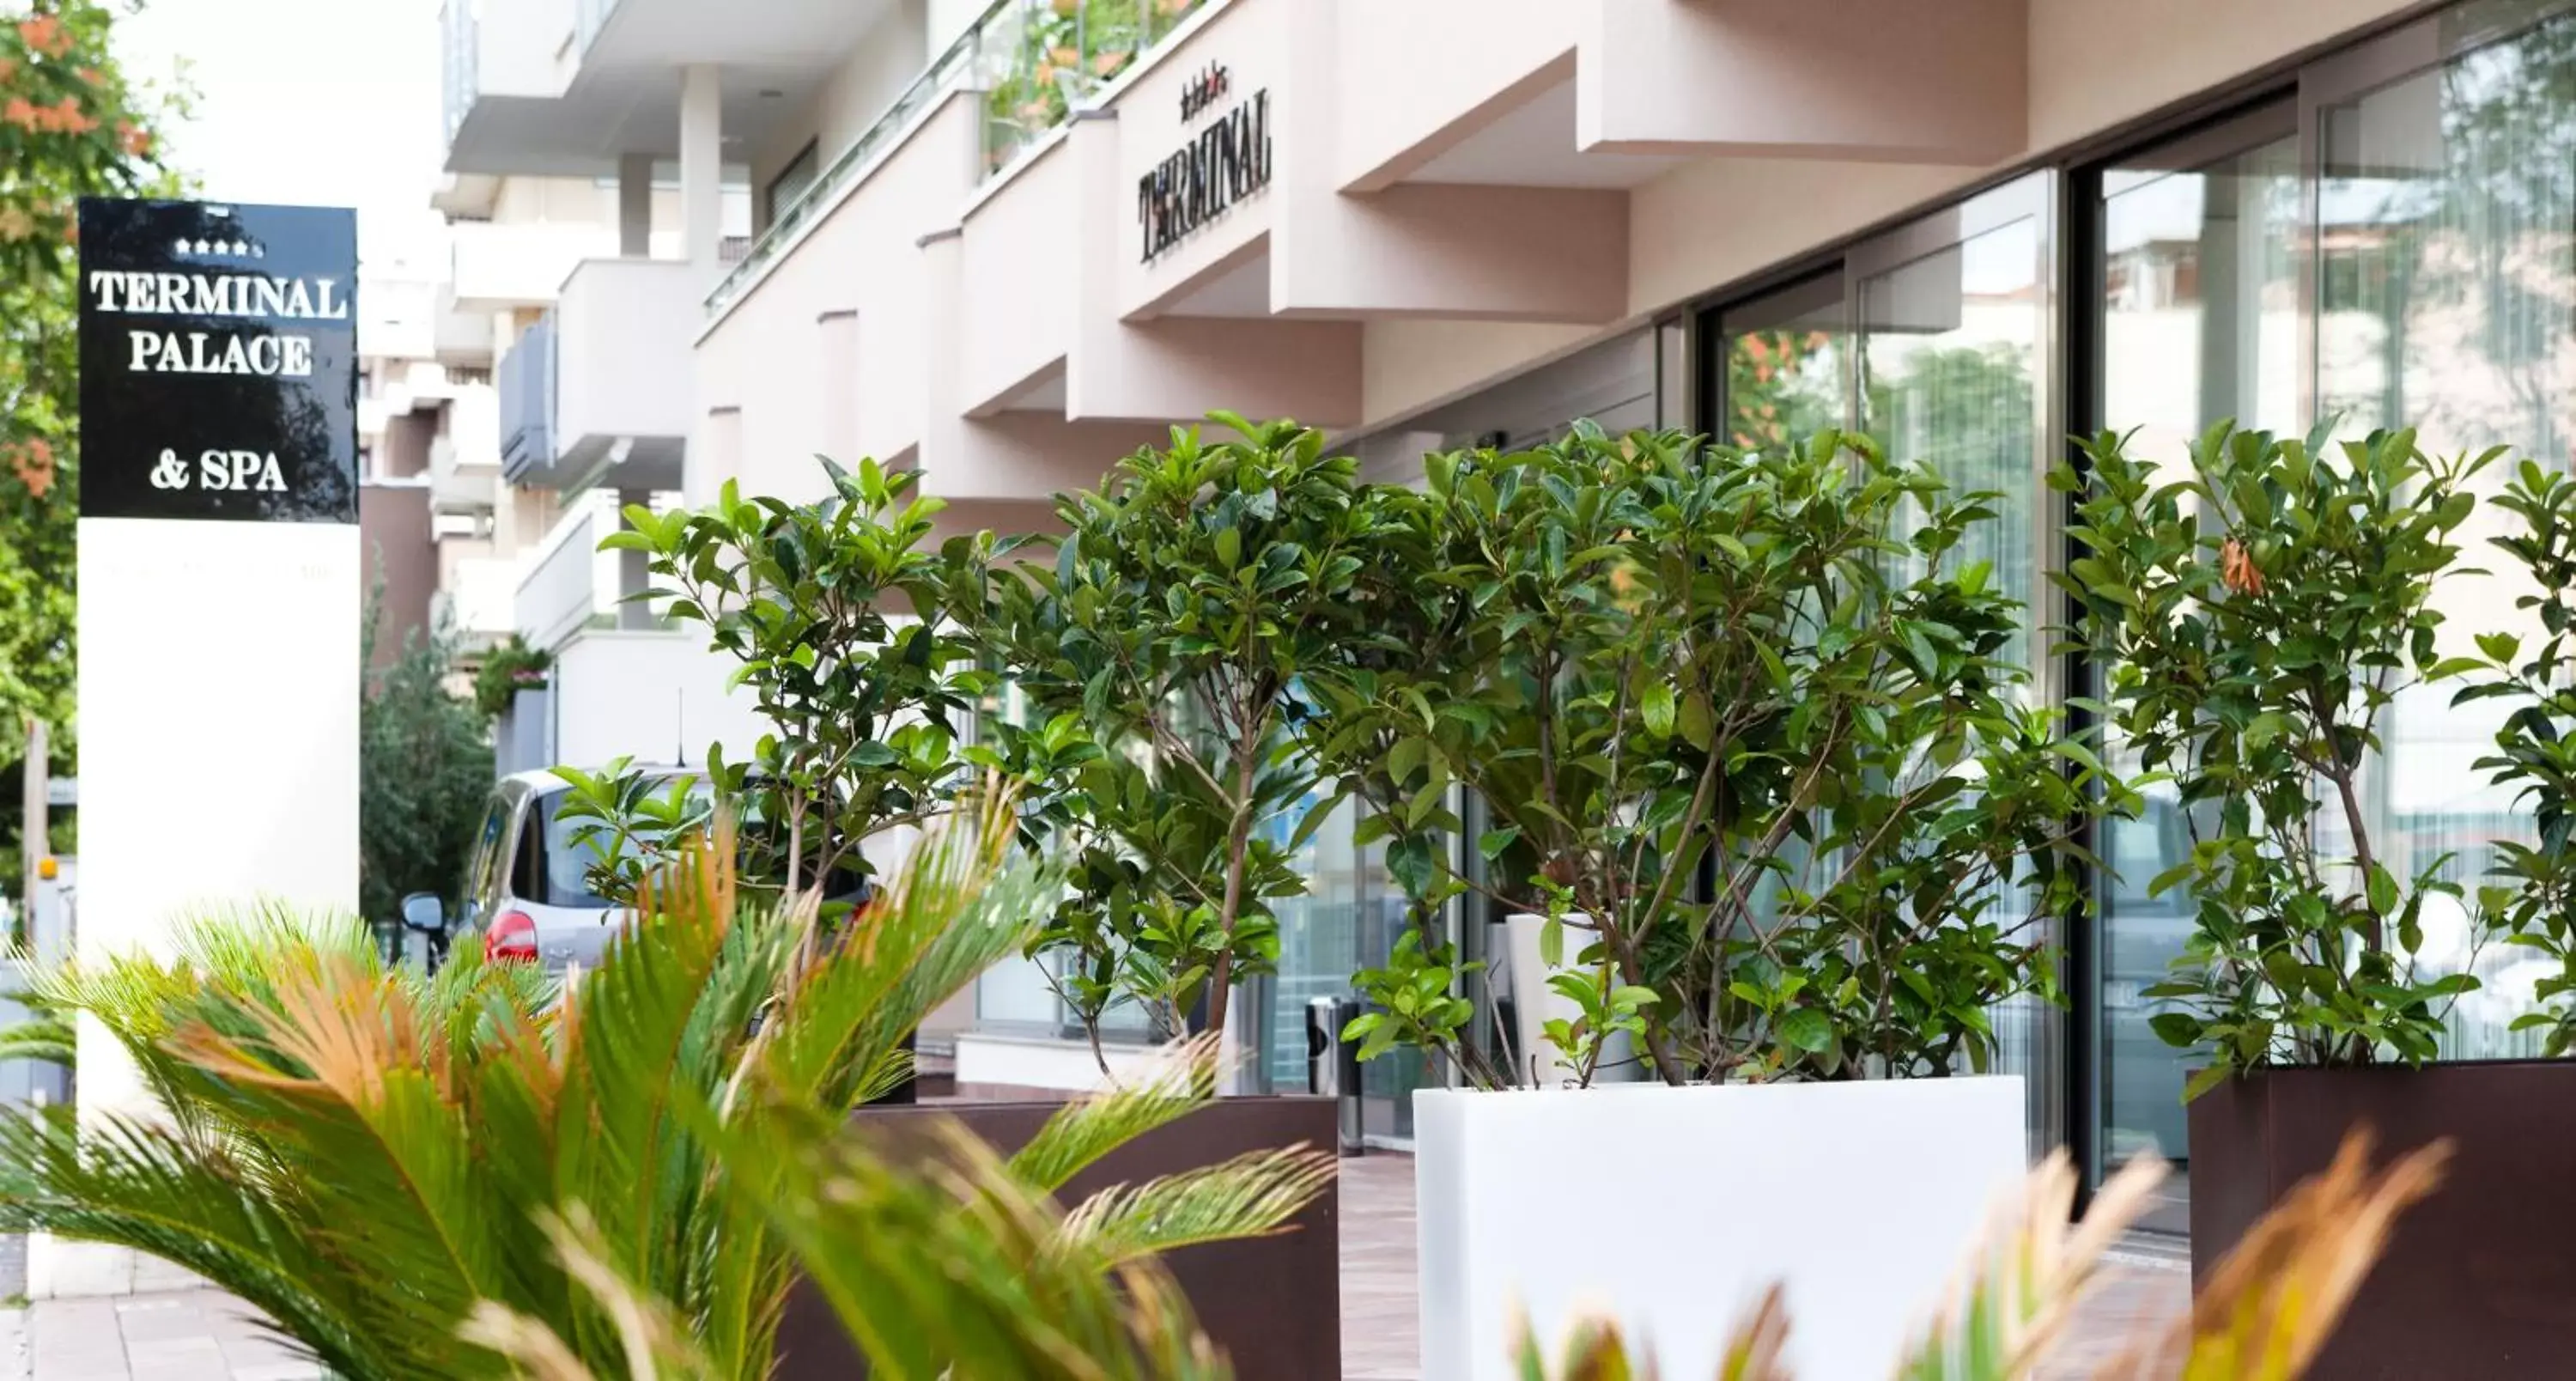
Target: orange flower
20	112
45	34
8	68
34	463
69	119
136	139
2237	569
1107	64
89	76
1065	55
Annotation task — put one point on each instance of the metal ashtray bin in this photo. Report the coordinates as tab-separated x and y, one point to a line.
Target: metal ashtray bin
1333	1064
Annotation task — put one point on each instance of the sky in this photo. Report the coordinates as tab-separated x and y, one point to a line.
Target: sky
304	102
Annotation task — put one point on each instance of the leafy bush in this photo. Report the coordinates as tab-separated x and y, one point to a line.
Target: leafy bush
1744	727
838	614
424	776
1188	598
2255	615
2534	899
507	670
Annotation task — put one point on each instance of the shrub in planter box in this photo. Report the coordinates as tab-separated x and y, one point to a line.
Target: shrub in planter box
1753	732
1237	1283
2256	615
1187	598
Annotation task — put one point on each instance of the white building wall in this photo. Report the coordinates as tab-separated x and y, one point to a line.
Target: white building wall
652	696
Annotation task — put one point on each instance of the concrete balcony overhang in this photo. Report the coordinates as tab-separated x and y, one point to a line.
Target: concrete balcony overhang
558	89
600	394
460	338
495	268
1612	93
457	486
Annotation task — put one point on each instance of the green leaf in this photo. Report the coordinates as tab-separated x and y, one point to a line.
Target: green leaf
1805	1028
1657	706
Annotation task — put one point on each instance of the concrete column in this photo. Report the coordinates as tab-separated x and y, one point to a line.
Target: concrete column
634	574
702	165
635	205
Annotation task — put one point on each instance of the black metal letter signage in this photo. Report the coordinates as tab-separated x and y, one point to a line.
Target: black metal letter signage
1228	161
219	361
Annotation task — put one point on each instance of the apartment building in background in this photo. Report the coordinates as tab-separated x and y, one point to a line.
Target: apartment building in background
1003	244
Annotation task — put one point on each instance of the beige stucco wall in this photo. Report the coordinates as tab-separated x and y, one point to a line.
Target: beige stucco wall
880	65
2093	65
762	368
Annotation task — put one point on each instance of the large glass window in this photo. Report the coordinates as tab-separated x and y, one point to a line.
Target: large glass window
1953	319
1787	364
1933	339
2195	256
2445	298
1951	364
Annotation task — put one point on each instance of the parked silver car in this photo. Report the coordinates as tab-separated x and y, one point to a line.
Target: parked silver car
526	892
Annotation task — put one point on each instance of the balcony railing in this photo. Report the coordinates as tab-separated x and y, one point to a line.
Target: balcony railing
1039	61
457	21
527	387
569	582
588	15
1012	52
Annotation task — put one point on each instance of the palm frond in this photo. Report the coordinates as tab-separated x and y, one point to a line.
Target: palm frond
43	1036
960	905
656	1342
1594	1351
1753	1353
2026	1272
1253	1195
1079	1134
2271	1304
142	1186
950	1266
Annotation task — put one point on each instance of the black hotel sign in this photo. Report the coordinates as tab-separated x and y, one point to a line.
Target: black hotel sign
219	361
1228	161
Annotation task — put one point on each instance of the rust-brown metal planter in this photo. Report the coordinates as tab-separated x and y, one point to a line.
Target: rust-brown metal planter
1273	1304
2478	1281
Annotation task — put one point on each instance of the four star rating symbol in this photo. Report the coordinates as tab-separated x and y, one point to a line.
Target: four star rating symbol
237	249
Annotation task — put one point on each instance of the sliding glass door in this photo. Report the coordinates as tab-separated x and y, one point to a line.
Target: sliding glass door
1952	356
2392	244
2445	301
2195	269
1934	340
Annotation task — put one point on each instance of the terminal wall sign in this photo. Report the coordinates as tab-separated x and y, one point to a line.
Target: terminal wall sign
219	362
1228	161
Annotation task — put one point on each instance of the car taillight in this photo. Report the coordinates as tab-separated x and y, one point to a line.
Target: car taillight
512	935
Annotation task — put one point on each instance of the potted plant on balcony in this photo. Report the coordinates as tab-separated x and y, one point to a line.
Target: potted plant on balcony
1744	731
2256	618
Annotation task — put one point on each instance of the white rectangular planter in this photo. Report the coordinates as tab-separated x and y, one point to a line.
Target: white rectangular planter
1671	1209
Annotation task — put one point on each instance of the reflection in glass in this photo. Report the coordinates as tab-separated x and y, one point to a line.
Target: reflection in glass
1788	365
2199	323
1950	348
1317	955
2446	285
1948	358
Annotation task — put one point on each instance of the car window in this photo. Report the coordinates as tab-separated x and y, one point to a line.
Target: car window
566	861
484	861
